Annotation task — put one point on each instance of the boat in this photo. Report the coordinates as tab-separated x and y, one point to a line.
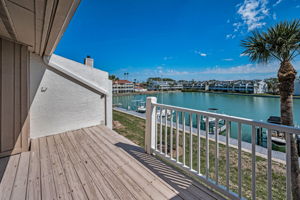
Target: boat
210	119
274	120
117	105
141	109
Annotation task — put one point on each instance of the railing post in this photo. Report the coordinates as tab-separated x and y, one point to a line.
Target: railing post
150	138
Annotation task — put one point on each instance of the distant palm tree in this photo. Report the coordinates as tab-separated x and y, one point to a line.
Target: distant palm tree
280	42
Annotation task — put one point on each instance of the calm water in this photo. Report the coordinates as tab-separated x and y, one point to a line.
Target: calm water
257	108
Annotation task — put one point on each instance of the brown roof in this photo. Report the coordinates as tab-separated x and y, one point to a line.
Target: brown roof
122	82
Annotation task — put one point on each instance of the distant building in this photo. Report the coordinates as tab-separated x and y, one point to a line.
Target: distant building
123	86
260	87
242	86
297	86
192	85
165	85
206	87
139	89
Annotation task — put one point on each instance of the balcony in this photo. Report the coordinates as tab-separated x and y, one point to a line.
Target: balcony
184	138
93	163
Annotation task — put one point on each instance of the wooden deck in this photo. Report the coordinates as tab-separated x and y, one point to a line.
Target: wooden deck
93	163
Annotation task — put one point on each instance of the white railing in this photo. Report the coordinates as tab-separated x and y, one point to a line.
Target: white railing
170	122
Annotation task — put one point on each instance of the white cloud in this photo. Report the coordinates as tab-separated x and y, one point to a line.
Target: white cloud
237	26
253	12
247	69
168	58
274	16
200	53
172	72
230	36
228	59
277	2
242	69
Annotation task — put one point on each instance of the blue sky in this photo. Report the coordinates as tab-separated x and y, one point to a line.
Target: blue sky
180	39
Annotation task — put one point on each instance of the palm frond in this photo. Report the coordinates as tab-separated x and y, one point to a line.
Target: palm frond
256	47
281	42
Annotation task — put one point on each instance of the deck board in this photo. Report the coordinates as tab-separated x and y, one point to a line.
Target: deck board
129	183
104	169
7	181
87	182
142	176
34	184
47	180
74	182
60	180
20	183
93	163
105	189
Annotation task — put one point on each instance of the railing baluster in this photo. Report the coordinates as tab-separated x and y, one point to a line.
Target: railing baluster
217	150
183	143
253	140
166	132
177	136
199	144
227	154
207	146
171	135
191	141
160	130
156	135
239	159
269	144
288	166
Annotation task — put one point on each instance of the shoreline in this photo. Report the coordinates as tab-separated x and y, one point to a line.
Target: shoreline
203	91
147	92
241	94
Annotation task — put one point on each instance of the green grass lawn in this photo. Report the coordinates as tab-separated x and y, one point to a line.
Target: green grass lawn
134	128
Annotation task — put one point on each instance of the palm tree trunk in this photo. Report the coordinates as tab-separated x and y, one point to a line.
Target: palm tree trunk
286	77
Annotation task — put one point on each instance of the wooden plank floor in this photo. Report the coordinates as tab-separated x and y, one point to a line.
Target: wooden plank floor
93	163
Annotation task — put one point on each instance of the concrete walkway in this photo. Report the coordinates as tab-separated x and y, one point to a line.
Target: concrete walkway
246	146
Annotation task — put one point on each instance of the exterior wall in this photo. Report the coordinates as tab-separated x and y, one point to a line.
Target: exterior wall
260	87
123	87
59	104
89	75
14	100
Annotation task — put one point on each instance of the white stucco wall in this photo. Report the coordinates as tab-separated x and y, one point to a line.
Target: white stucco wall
59	104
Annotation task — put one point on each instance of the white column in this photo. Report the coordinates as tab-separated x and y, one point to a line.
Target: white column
150	139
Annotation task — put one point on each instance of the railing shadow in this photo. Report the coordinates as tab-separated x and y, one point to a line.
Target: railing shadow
187	188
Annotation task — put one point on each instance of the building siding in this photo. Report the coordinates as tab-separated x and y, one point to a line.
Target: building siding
14	128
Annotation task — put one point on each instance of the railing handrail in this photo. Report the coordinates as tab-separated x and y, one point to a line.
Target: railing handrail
277	127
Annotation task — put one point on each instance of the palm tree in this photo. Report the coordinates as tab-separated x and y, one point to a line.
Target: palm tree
280	42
